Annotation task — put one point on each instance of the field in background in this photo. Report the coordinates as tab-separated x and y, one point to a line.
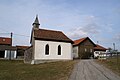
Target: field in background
112	63
17	70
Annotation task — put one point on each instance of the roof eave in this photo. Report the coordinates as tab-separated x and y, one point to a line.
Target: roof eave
100	49
53	40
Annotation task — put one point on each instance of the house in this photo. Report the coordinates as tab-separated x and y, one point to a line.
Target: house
7	51
83	48
99	51
48	45
20	51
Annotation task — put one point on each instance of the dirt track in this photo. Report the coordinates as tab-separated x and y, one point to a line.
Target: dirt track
90	70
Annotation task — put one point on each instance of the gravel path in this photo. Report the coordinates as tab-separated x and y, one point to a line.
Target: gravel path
90	70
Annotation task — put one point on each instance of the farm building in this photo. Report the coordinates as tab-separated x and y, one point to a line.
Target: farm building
20	51
99	51
7	51
83	48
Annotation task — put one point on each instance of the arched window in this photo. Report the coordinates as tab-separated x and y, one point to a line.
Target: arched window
47	49
59	50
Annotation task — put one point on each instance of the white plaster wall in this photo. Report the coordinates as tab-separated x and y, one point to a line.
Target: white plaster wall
75	52
66	50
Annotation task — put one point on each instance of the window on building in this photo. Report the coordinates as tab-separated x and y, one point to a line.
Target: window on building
90	50
47	49
85	50
59	50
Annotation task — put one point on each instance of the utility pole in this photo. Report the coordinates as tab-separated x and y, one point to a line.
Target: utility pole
10	45
11	38
115	51
114	46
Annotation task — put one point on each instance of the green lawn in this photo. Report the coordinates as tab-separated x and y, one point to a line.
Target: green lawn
17	70
112	64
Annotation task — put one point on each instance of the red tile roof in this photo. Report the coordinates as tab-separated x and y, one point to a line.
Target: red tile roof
79	41
100	48
43	34
5	41
76	42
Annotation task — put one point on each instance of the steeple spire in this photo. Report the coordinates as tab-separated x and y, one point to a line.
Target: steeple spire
36	22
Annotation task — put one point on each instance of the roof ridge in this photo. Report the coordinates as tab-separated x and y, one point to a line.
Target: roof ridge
81	38
100	46
50	30
76	42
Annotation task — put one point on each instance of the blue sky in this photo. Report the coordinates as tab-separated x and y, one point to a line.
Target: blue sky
97	19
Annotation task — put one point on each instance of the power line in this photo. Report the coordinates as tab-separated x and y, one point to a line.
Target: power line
4	33
21	35
9	32
16	34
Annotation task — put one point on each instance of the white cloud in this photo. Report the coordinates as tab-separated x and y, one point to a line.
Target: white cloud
87	30
117	37
91	28
18	15
76	33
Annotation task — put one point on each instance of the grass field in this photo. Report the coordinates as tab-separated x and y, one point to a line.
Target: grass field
112	64
17	70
